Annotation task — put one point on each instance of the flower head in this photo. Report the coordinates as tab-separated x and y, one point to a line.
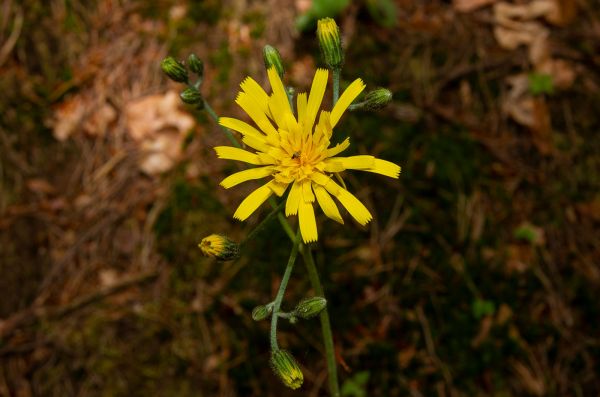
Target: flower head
297	153
220	247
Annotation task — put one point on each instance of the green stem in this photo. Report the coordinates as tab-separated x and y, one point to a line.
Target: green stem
281	292
228	133
325	323
336	84
264	222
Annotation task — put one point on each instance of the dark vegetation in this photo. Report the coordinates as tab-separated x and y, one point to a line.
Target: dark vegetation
478	276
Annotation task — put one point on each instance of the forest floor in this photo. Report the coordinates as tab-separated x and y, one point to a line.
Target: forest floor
475	278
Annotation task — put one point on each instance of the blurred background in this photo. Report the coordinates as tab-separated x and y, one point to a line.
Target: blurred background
477	276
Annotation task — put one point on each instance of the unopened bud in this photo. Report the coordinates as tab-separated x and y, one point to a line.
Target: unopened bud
196	65
273	59
261	312
174	70
330	43
310	307
377	99
287	369
220	247
191	95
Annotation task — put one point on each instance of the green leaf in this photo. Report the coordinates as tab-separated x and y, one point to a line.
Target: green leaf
482	307
384	12
540	84
320	9
356	386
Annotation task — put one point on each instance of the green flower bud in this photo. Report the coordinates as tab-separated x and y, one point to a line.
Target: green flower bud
310	307
286	368
273	59
220	247
377	99
330	43
174	70
191	95
261	312
196	65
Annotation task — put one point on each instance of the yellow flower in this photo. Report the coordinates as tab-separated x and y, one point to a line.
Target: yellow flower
294	152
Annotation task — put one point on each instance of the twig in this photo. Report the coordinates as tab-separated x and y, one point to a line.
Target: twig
33	314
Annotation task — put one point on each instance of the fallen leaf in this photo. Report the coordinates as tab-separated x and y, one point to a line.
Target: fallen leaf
470	5
160	126
530	380
67	118
38	185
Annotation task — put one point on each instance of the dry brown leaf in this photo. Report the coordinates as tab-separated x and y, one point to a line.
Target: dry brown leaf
101	118
38	185
159	125
470	5
153	113
67	118
530	380
484	330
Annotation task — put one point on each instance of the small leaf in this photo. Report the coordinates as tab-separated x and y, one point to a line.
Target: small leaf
482	307
540	84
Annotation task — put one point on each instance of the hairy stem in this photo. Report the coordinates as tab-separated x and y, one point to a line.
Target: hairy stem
228	133
264	222
336	84
325	323
281	292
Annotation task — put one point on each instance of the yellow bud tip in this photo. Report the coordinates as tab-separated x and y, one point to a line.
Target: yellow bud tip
286	368
219	247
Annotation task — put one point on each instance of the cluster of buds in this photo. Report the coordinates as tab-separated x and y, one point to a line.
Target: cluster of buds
220	247
306	309
178	72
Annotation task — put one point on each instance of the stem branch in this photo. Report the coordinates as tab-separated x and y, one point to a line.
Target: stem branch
228	133
281	292
325	323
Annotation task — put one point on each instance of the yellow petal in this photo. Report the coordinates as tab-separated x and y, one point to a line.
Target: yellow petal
320	178
255	143
278	90
327	204
241	127
256	92
340	147
350	202
246	175
308	223
252	202
386	168
307	194
317	90
233	153
293	200
278	187
367	163
333	166
301	103
363	162
345	100
256	113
